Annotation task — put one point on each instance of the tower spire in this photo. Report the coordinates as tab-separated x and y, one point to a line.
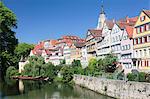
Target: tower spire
102	8
102	17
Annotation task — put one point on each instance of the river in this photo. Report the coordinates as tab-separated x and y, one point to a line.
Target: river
12	89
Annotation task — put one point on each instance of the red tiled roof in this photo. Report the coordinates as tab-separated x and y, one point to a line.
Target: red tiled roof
129	30
126	22
70	37
39	46
147	12
95	32
109	23
79	44
53	42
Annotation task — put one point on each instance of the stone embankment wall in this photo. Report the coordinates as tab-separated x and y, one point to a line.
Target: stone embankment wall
115	88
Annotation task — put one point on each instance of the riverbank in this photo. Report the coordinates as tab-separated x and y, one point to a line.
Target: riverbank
114	88
30	78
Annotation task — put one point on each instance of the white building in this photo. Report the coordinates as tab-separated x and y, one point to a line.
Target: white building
84	58
116	34
67	53
127	49
104	44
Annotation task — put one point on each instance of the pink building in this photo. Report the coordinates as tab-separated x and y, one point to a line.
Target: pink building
127	49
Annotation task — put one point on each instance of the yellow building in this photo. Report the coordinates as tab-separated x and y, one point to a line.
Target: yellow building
141	41
93	35
76	53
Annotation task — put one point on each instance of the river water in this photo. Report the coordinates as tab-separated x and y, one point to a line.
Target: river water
44	90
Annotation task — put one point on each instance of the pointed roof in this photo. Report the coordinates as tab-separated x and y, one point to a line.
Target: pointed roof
129	30
102	8
109	23
147	12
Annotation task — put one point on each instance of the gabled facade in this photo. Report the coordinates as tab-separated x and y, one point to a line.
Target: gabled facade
127	49
67	53
92	37
76	53
141	41
116	34
104	44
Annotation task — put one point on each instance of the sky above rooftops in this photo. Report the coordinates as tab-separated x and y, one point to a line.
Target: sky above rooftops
50	19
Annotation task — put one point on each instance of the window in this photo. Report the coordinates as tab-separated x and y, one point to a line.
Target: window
129	46
142	18
145	39
142	28
140	40
136	40
122	47
126	47
140	53
141	63
145	63
136	54
138	29
147	27
144	52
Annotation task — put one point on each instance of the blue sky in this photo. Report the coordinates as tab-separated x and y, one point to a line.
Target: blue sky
50	19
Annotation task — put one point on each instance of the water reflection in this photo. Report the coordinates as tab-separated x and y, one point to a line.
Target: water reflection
21	86
43	90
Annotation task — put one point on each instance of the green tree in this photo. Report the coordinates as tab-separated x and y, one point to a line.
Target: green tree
11	71
76	63
67	73
37	67
23	50
8	40
92	66
100	65
109	63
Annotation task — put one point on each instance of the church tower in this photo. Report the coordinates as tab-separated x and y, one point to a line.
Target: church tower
101	18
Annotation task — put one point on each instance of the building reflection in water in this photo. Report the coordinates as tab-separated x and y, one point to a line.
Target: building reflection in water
21	86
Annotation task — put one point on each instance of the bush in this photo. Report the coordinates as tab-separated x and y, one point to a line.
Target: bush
76	63
147	77
132	77
109	63
110	76
58	79
142	77
67	73
37	67
11	71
